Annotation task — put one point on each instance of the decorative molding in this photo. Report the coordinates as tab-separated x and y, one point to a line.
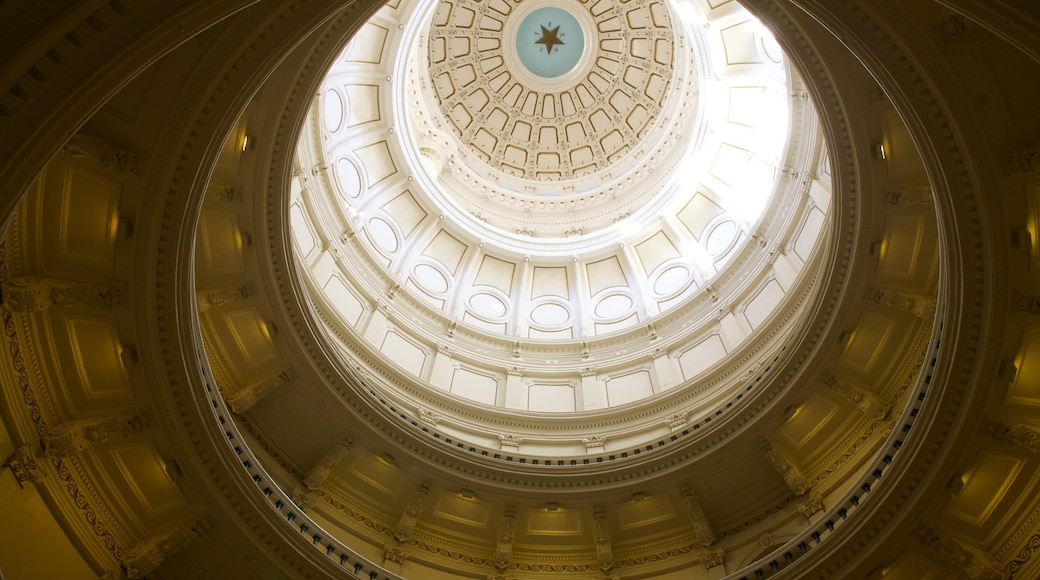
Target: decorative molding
714	558
1011	433
23	466
72	437
504	546
105	153
227	295
410	515
393	554
1025	554
594	441
321	471
811	507
35	293
792	477
512	441
429	417
701	526
1024	160
919	306
677	420
604	550
974	562
148	555
857	396
247	397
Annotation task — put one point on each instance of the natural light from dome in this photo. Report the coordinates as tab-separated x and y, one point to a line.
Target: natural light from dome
566	243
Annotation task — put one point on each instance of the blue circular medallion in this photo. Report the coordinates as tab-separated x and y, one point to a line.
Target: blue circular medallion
549	42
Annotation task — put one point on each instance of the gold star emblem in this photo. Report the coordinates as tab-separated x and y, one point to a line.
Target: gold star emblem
550	38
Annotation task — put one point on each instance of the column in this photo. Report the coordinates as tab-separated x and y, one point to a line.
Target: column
516	392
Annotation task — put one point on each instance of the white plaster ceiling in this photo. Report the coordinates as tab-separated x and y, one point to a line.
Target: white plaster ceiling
609	282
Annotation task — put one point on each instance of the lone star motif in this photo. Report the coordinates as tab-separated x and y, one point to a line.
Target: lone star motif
550	38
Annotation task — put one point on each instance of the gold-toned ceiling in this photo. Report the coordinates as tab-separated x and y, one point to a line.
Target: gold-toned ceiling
119	462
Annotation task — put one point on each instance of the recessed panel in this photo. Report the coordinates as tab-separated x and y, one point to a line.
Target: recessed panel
362	104
343	300
376	161
873	334
551	398
404	353
986	484
460	510
605	274
220	242
764	303
367	45
96	354
628	388
1025	390
145	473
474	386
89	208
702	355
407	212
647	511
740	45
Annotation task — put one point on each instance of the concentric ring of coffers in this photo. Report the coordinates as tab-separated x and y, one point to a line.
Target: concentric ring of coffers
658	317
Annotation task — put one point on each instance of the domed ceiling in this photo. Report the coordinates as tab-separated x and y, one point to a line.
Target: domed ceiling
560	206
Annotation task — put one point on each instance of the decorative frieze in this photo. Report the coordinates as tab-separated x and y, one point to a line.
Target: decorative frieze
22	464
224	193
1024	160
